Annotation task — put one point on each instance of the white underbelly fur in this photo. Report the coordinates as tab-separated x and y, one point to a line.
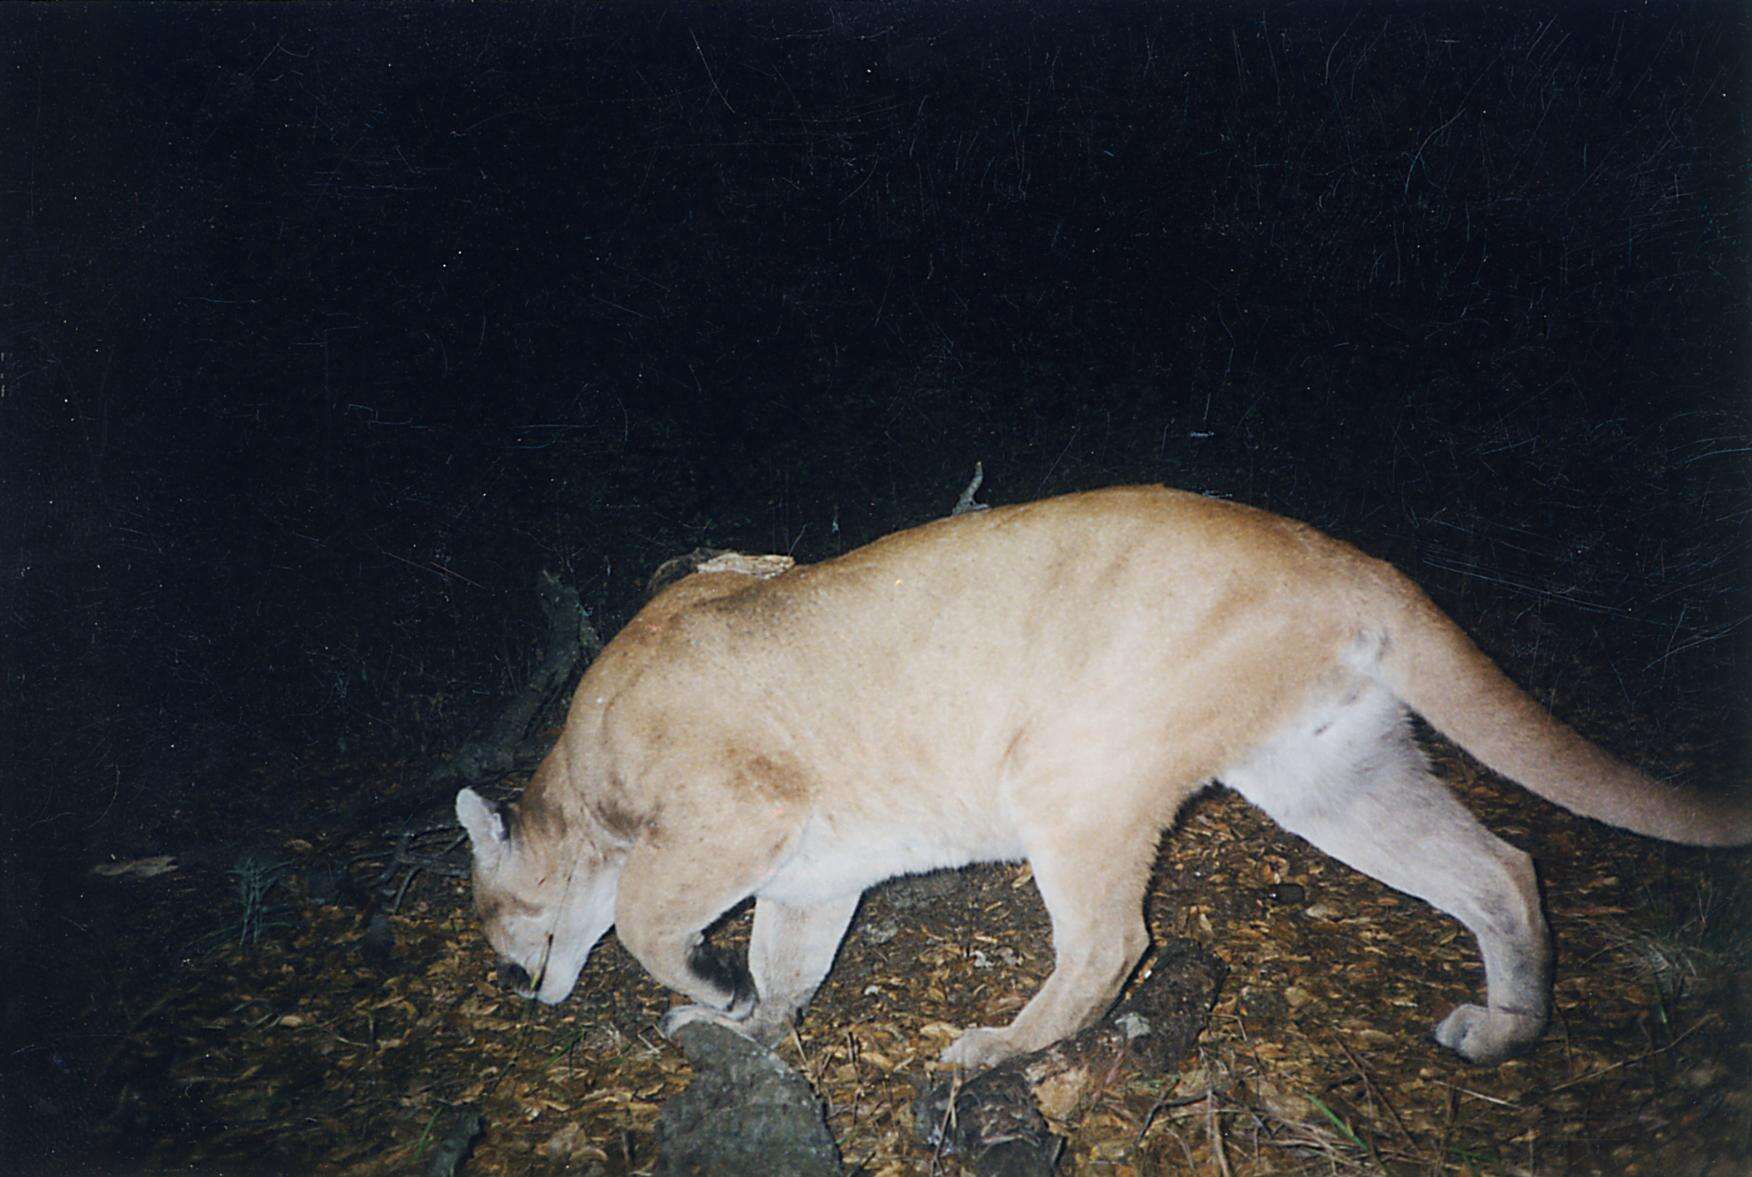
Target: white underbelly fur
827	864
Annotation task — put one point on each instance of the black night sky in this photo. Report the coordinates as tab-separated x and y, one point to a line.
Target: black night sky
325	331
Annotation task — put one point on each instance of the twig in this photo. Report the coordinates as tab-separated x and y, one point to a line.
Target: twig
1373	1091
965	503
1503	1103
947	1124
1165	1100
1216	1134
1636	1058
403	857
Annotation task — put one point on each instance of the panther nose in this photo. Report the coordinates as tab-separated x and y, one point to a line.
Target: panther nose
514	976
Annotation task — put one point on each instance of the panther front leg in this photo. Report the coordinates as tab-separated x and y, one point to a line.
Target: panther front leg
662	910
1096	902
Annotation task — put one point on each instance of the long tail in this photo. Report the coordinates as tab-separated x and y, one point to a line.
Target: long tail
1429	663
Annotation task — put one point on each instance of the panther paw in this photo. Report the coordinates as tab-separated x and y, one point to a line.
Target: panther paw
1483	1035
980	1047
686	1015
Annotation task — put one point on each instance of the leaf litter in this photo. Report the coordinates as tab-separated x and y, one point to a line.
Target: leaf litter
303	1053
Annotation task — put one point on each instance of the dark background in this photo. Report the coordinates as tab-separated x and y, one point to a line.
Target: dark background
325	331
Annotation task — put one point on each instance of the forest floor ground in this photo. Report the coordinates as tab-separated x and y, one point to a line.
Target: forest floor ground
309	1051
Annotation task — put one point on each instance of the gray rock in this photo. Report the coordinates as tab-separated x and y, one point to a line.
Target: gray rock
746	1113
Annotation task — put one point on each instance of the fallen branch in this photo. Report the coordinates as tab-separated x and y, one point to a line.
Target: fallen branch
1007	1120
571	640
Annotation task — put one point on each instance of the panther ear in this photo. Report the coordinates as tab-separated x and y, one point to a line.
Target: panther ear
485	824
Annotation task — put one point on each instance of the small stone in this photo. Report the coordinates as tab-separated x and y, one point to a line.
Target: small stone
1132	1025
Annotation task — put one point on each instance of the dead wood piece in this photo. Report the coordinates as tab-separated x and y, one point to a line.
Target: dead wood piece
759	566
677	567
745	1113
966	502
1170	1006
994	1127
1004	1118
569	641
